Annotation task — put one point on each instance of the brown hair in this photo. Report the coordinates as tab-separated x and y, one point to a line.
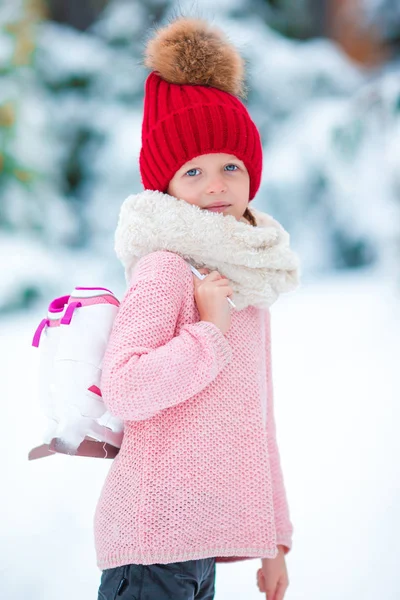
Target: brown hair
248	215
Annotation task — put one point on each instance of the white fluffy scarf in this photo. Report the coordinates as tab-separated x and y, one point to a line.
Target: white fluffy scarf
258	261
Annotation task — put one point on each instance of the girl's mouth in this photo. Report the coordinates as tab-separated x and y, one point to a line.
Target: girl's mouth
219	208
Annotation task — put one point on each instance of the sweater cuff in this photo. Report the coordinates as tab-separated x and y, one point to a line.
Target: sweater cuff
222	347
284	539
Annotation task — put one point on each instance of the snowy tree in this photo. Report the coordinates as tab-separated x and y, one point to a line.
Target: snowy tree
384	14
97	91
29	197
300	19
70	142
34	217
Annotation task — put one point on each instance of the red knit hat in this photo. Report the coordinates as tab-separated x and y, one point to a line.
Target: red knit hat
184	117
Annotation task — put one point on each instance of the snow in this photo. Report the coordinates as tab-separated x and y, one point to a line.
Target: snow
383	13
335	365
120	20
86	53
33	275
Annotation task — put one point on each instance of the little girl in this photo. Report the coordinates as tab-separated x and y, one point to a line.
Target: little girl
198	478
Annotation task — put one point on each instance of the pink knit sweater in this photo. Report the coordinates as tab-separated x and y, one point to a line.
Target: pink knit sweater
198	474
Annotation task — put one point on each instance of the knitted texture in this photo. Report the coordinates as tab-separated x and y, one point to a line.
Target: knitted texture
181	122
198	474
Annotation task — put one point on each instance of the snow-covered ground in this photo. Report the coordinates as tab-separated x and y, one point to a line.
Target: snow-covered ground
337	410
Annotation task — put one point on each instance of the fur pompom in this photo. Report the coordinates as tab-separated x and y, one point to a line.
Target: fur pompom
191	51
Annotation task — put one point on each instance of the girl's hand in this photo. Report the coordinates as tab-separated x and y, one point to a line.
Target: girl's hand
210	295
272	578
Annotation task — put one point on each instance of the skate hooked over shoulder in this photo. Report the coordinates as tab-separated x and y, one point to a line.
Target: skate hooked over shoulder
71	341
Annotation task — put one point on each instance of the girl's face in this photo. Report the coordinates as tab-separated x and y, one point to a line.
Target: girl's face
212	179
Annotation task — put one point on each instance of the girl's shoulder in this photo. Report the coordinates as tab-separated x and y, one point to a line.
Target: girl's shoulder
164	268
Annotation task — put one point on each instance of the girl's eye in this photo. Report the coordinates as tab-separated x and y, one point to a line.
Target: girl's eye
192	172
234	167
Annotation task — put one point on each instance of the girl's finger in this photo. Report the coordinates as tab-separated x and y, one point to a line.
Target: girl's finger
261	581
280	590
204	271
213	276
270	594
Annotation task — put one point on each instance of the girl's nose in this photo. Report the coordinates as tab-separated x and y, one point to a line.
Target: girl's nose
216	187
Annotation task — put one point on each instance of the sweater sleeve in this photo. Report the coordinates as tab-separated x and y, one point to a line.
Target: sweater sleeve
146	367
284	527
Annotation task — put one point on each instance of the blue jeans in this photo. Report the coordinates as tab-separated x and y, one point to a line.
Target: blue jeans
186	580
